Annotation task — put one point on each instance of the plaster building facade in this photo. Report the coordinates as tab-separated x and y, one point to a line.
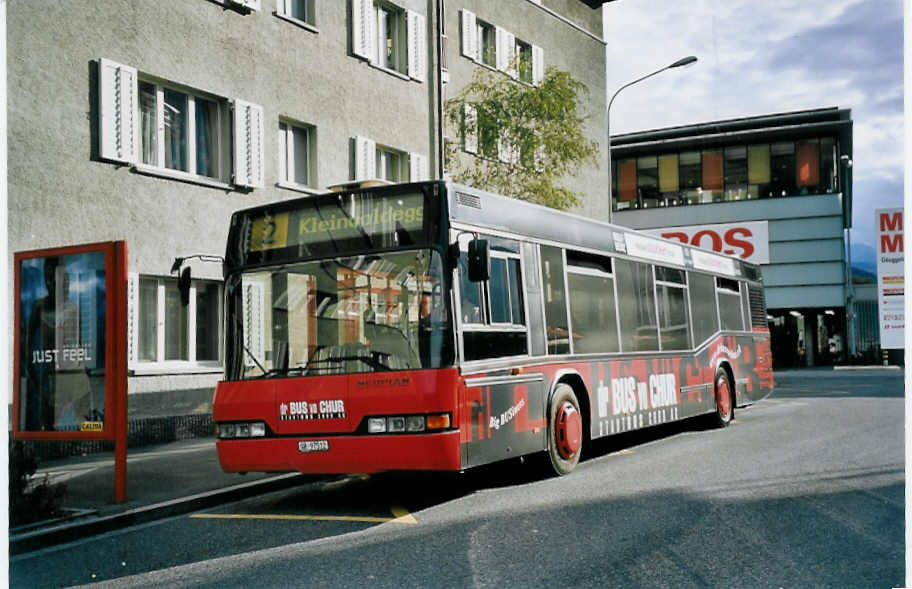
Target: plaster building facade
774	189
152	122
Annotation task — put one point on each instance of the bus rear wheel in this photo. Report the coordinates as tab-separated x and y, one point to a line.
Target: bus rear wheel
565	430
725	405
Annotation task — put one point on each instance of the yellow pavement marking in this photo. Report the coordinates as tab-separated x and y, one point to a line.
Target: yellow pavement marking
625	452
401	516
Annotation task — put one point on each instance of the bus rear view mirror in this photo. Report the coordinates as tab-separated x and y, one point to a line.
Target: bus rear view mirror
479	260
183	286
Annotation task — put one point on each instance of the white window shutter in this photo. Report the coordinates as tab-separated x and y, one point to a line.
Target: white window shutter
365	158
503	149
117	112
132	317
248	144
469	35
470	129
417	46
283	7
510	51
364	40
254	332
500	48
418	167
538	65
251	4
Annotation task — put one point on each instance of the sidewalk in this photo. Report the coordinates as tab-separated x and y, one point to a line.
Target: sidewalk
162	481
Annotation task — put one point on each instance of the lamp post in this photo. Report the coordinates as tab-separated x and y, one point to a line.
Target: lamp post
684	61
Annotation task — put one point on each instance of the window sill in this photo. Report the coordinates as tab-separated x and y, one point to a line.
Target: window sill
174	368
181	176
299	188
395	73
303	24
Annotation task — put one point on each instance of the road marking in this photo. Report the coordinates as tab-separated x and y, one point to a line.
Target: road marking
403	516
400	516
625	452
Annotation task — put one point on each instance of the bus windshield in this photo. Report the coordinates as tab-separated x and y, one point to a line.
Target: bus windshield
367	313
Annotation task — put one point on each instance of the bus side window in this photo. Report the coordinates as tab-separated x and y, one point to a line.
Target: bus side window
674	323
702	289
470	299
636	306
593	312
556	324
493	312
729	293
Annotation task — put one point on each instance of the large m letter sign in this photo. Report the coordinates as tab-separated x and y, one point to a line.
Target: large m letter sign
890	278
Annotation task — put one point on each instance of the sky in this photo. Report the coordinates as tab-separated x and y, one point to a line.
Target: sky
758	57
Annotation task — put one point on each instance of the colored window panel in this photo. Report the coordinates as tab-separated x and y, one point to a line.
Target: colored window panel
712	170
627	180
758	164
808	163
668	173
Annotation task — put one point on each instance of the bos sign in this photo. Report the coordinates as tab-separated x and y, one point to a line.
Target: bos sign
747	240
890	277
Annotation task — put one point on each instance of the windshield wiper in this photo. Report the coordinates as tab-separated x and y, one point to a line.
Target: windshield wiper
373	361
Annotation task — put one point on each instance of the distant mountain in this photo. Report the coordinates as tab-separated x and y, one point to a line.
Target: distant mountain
864	260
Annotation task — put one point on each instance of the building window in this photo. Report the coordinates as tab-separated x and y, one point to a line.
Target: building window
735	173
373	161
524	57
648	182
391	165
782	168
298	10
297	148
391	37
183	131
487	44
167	331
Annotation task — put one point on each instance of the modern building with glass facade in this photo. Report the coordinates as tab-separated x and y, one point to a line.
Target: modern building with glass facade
775	189
152	121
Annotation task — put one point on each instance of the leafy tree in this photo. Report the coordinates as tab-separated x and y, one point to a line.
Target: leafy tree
528	137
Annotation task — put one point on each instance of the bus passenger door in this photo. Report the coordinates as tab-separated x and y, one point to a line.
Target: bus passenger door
507	417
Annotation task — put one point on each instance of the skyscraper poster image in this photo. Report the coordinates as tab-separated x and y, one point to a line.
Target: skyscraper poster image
66	345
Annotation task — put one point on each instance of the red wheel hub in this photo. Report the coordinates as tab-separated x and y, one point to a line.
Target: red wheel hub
723	397
568	432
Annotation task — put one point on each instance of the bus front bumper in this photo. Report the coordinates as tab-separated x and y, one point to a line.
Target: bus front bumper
342	454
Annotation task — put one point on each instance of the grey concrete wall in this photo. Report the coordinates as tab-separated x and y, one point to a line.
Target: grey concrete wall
807	253
60	194
565	47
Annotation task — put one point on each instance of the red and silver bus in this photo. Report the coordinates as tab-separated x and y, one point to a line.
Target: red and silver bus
432	326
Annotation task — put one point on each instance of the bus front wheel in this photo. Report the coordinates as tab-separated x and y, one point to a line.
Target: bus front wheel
725	405
565	430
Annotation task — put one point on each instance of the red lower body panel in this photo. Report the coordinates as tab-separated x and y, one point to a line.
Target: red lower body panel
346	454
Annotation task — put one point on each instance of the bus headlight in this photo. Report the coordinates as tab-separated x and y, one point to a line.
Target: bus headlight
396	424
248	429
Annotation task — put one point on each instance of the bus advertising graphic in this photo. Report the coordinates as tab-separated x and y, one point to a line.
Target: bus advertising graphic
432	326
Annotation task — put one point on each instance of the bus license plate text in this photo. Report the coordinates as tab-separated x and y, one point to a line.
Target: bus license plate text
314	446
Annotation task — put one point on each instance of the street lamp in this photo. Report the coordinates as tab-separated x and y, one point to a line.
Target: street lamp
684	61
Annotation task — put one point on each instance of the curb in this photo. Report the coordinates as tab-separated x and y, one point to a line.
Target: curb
872	367
35	540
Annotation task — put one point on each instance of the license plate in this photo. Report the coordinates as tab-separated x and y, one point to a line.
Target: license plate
313	446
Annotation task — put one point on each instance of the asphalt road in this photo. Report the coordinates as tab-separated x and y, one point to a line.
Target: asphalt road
806	488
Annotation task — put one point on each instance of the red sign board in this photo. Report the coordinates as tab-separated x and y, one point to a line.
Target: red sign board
70	363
